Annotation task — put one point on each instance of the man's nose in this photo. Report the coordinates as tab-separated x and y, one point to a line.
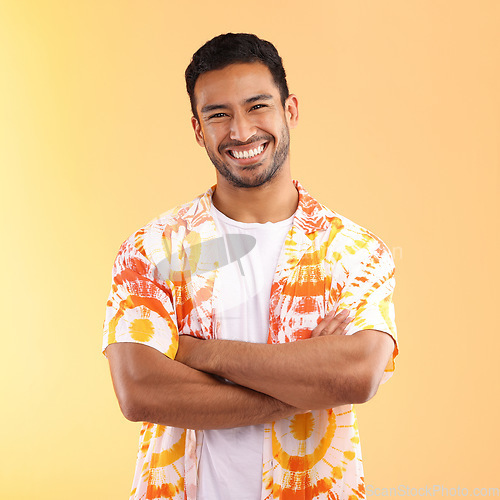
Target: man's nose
242	128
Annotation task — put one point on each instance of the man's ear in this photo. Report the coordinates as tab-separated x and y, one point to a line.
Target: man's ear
292	110
198	133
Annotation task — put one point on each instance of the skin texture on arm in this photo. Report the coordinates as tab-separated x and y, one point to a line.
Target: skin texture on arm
151	387
324	371
154	388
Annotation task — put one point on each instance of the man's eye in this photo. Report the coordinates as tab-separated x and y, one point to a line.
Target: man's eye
217	115
258	106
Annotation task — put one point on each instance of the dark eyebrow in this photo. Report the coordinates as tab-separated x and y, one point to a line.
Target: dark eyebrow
259	97
212	107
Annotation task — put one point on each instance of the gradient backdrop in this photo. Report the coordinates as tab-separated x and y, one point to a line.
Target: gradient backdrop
400	131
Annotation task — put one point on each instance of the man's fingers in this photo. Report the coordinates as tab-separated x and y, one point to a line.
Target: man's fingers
338	323
322	324
333	324
341	327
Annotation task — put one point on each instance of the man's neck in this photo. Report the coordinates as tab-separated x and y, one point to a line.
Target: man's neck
271	202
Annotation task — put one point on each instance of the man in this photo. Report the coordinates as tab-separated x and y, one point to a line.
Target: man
242	326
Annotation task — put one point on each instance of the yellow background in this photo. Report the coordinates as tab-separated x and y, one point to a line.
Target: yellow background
400	129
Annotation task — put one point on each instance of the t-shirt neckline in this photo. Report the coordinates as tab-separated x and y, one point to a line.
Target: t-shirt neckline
248	225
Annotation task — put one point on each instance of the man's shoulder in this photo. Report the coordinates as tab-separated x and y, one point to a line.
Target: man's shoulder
177	216
153	237
315	217
350	237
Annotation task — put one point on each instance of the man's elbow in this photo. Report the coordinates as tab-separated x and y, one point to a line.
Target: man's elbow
131	407
356	388
131	412
376	352
368	386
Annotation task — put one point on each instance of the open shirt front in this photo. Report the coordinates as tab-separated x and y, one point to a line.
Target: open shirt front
164	283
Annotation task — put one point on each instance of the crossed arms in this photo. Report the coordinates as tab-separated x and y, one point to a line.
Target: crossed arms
269	381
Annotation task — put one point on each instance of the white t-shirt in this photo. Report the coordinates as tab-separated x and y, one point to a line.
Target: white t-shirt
230	465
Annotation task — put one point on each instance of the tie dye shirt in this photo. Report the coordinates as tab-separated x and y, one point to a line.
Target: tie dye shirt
164	283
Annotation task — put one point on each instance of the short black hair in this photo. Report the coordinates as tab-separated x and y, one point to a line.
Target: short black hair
231	48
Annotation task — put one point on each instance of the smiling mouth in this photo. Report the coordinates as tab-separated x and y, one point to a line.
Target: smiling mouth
247	154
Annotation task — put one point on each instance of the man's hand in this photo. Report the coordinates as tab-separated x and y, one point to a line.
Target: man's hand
333	324
328	369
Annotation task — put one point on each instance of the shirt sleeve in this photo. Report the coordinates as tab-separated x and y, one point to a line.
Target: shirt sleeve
140	306
368	294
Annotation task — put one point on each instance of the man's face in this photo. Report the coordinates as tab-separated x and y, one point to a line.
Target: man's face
242	123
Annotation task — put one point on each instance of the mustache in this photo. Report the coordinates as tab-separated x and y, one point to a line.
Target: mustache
257	138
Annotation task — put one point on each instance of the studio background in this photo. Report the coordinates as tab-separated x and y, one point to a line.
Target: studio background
399	131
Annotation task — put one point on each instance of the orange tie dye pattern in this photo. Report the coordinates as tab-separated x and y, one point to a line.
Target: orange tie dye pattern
163	284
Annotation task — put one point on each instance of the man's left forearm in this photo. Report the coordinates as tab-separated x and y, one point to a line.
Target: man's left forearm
316	373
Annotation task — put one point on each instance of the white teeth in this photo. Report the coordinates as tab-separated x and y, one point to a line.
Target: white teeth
248	154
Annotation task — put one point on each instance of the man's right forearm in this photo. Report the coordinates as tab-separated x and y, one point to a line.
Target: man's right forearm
170	393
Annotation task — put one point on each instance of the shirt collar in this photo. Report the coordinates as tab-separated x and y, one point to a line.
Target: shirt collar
310	215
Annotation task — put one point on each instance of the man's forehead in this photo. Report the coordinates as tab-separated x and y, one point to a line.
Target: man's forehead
234	83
